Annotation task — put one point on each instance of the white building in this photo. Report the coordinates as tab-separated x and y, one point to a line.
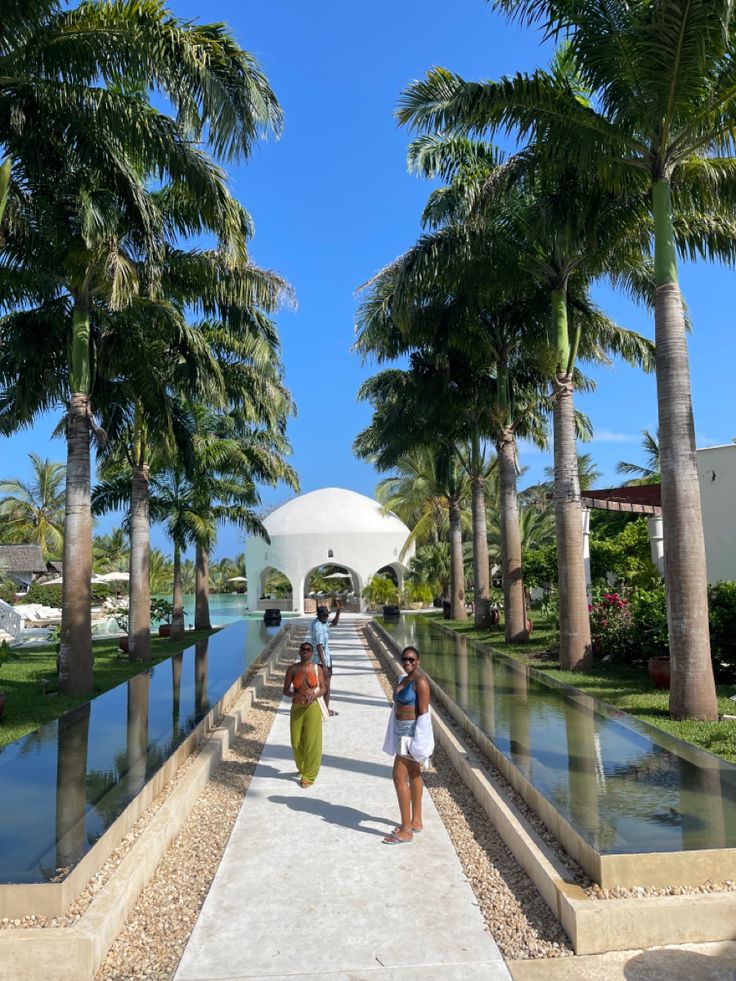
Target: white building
717	478
333	526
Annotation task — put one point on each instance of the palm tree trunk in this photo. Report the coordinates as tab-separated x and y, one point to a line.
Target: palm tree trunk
575	645
457	571
202	589
139	613
481	577
508	513
4	185
75	643
177	620
692	688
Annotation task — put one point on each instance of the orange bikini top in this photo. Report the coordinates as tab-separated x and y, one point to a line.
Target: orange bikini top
301	678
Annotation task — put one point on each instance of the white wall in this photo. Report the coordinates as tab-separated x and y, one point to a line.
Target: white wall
717	476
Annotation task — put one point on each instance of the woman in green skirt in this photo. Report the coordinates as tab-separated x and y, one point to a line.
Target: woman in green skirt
304	683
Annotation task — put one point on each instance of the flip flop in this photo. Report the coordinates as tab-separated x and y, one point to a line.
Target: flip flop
415	831
305	783
333	712
395	840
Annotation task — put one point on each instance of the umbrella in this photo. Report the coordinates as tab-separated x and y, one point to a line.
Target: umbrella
237	579
113	577
52	582
337	575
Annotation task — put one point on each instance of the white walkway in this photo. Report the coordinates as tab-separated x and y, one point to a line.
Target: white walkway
306	888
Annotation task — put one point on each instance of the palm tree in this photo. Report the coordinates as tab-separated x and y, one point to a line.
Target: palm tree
110	553
588	472
649	472
562	249
405	431
660	118
33	510
69	248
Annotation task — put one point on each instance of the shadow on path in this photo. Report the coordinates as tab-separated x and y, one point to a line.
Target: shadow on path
338	814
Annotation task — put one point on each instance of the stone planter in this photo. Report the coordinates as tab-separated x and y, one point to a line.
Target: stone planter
659	671
164	630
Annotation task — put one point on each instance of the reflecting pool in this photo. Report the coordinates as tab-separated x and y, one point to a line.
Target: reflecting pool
624	786
62	786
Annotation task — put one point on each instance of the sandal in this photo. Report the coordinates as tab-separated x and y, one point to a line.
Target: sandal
395	840
305	783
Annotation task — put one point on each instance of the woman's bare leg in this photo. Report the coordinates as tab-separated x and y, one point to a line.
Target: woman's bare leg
403	795
416	786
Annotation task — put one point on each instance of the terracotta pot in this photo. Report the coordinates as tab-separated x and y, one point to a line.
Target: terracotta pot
123	643
2	705
495	616
659	671
164	630
529	626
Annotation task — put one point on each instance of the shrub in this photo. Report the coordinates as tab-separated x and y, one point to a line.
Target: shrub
162	610
419	592
722	613
550	610
7	590
649	635
380	589
51	595
540	567
610	625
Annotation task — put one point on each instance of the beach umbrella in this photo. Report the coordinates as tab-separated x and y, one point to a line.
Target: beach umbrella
237	579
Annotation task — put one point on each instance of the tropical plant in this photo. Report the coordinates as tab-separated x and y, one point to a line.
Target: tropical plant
648	473
659	119
33	510
110	552
77	207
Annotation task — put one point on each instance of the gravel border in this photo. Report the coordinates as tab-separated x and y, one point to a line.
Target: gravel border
518	918
151	943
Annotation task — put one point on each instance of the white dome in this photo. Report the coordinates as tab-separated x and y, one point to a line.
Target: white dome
333	510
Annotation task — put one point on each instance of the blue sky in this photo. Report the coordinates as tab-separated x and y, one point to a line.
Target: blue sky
333	203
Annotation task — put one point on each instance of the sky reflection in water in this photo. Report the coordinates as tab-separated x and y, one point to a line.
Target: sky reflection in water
624	786
62	786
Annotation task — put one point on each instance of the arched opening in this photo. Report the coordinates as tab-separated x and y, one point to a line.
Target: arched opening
323	584
275	590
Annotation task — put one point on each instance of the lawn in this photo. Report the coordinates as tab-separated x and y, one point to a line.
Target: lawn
26	705
626	686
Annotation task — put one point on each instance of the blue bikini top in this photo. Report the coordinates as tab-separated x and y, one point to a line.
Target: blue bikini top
408	695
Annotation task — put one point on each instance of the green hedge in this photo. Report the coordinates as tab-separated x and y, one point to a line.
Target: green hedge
8	590
51	595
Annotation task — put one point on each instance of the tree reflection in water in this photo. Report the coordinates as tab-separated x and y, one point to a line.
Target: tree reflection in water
71	787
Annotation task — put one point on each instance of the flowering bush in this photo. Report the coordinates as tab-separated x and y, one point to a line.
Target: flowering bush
610	625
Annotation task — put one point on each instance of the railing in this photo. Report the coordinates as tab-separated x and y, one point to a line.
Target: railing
11	622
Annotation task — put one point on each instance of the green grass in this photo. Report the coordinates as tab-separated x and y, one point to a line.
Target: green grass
26	706
625	686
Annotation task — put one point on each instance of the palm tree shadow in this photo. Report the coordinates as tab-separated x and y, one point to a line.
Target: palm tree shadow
337	814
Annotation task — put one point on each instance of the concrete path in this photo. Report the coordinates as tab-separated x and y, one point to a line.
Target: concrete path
306	888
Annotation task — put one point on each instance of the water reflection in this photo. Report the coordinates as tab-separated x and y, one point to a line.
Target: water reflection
624	786
71	787
62	786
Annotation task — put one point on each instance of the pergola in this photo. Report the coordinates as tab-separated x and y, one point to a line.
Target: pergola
645	499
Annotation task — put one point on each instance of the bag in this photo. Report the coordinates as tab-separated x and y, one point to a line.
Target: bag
324	711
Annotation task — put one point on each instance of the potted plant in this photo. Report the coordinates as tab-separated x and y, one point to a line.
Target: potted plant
658	669
121	619
163	611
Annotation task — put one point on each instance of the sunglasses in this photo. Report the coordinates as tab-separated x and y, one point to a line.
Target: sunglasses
301	649
408	660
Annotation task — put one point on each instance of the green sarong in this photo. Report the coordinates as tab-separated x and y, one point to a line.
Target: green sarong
306	739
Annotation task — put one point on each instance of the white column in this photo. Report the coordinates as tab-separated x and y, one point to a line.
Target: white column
656	541
585	512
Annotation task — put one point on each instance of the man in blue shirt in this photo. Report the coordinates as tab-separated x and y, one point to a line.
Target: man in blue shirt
320	633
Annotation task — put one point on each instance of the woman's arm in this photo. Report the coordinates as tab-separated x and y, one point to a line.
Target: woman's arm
422	688
287	680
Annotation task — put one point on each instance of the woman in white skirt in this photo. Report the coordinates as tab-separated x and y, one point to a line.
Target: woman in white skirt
409	739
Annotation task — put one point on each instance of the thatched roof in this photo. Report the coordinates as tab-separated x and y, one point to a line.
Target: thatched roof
21	558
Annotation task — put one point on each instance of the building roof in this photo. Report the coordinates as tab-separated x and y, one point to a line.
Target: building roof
21	558
333	510
634	498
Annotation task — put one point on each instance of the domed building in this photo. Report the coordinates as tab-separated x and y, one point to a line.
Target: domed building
332	526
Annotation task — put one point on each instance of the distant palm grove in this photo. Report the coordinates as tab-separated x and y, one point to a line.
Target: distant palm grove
157	352
625	165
